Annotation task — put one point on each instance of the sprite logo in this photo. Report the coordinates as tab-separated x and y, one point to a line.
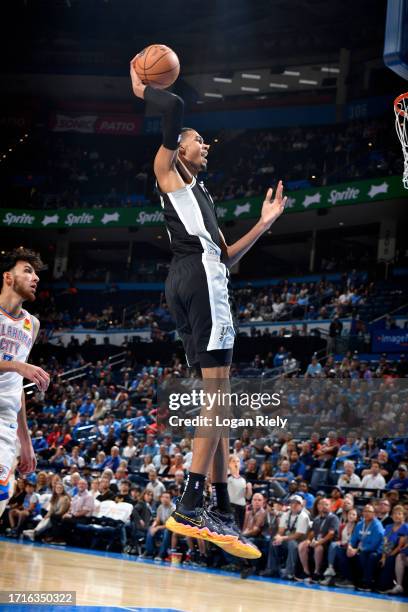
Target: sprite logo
351	193
82	219
23	219
145	217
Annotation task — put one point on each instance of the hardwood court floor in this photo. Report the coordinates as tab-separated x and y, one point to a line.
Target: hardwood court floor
114	581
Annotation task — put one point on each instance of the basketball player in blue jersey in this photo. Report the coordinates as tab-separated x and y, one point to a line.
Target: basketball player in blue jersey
18	331
197	296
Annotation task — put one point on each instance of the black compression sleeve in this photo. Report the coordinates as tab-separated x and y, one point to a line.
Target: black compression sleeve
172	109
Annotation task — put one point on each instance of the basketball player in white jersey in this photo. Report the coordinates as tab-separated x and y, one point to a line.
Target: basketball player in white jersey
18	331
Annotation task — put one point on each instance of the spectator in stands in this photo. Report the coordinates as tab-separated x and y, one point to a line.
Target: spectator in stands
151	447
293	527
336	500
335	329
147	465
155	485
40	444
113	460
373	480
400	481
123	494
349	478
50	524
71	482
42	486
159	531
251	472
168	443
31	507
323	531
328	450
387	466
254	522
75	458
279	358
290	365
383	512
156	460
350	448
87	407
283	475
80	511
59	460
360	560
314	369
130	450
140	520
307	458
164	467
296	466
303	491
395	542
178	464
105	492
345	531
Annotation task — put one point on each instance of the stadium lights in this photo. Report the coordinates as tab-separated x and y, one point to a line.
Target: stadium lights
246	75
222	80
329	69
307	82
279	85
250	88
291	73
210	94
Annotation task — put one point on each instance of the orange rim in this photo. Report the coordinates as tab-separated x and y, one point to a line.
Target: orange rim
397	101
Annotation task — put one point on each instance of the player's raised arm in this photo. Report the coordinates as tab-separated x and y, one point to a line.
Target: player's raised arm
272	208
171	108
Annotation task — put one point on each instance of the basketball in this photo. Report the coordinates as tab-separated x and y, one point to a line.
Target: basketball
157	66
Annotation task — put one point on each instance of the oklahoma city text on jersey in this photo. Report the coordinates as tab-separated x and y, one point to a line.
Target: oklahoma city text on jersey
11	338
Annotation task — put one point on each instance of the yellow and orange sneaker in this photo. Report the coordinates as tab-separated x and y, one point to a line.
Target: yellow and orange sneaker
200	523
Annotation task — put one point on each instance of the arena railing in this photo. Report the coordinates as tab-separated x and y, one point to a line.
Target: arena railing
391	312
75	373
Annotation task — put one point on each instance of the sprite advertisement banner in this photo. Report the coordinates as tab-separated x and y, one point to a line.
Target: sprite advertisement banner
353	192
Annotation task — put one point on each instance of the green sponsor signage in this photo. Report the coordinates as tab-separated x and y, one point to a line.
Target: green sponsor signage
356	192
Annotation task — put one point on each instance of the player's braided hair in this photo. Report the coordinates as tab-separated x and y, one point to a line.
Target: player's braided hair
8	260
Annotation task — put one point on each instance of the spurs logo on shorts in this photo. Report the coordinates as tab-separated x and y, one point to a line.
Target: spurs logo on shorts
223	332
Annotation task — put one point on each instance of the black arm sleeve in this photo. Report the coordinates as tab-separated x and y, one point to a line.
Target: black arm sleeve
172	109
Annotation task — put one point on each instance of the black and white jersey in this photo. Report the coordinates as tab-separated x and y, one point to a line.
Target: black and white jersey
191	220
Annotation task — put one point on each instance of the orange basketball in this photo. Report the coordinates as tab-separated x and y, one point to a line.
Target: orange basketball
158	66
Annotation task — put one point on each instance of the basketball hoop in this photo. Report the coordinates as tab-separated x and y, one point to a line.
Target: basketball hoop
401	122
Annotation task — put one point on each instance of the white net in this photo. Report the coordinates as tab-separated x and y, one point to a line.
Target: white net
401	121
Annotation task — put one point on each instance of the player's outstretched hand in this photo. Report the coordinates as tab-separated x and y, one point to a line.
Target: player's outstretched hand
273	206
34	373
137	85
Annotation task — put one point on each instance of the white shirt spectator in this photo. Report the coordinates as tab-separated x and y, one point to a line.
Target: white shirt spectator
129	452
349	481
373	482
157	487
298	523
